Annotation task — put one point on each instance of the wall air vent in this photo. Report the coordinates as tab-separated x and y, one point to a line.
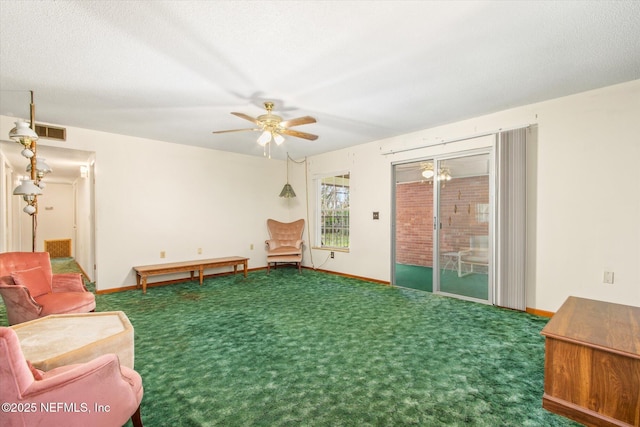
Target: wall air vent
51	132
60	248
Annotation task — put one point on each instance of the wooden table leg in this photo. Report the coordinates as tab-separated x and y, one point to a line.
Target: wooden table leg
246	267
201	274
137	280
144	284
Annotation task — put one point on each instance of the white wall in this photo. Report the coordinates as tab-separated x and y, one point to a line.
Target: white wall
84	249
153	197
55	216
584	201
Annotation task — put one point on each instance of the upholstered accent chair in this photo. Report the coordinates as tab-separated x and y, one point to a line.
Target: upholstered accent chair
96	393
285	243
30	290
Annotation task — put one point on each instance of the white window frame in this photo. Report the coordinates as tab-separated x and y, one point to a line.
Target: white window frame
318	217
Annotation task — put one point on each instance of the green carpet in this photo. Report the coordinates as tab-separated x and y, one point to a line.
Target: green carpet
65	265
321	350
414	277
421	278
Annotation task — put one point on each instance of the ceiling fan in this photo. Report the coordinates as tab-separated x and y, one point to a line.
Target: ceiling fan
273	127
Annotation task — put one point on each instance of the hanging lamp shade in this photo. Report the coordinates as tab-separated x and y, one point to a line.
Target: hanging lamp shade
287	191
27	188
22	133
41	166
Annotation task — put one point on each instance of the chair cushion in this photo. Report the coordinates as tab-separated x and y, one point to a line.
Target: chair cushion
66	302
285	250
33	279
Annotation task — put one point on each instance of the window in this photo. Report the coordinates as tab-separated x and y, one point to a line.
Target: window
482	212
333	203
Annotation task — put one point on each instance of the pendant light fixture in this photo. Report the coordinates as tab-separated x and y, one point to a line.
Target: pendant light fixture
444	174
30	189
287	191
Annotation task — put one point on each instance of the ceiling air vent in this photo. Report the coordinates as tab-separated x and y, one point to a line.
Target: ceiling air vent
51	132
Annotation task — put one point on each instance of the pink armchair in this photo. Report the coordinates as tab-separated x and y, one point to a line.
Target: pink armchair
96	393
30	289
285	244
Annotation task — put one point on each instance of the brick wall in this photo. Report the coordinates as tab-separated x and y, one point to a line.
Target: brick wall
414	223
459	200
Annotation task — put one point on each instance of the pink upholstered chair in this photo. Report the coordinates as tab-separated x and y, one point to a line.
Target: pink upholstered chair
30	289
96	393
285	243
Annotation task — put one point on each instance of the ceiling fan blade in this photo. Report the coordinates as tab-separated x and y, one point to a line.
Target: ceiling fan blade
299	121
244	116
298	134
233	130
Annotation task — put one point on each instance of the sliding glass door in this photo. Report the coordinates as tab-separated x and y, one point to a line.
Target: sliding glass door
413	240
442	207
464	232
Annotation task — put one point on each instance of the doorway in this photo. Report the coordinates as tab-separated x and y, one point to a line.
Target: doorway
66	208
442	226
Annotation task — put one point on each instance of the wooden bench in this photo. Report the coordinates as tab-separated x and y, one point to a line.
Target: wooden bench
144	271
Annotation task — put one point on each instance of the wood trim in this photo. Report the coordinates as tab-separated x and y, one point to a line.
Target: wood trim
114	290
539	312
383	282
84	274
169	282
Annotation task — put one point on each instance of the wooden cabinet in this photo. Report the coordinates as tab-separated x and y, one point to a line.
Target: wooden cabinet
592	363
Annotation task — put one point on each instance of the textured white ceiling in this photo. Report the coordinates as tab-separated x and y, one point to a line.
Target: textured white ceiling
367	70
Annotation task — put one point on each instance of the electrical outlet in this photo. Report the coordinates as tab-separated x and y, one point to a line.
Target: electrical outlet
251	246
162	254
199	251
332	254
608	277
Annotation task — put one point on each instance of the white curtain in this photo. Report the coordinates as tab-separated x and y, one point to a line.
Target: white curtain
511	219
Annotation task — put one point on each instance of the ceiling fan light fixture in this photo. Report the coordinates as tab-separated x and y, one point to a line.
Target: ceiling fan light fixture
264	138
272	127
427	174
427	171
279	139
444	175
